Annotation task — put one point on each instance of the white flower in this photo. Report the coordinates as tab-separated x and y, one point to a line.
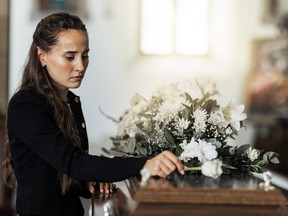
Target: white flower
217	118
127	123
202	150
184	143
185	119
207	151
181	124
169	109
252	154
212	168
132	134
228	131
200	117
234	114
190	150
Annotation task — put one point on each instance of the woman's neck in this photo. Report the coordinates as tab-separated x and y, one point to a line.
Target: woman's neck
63	94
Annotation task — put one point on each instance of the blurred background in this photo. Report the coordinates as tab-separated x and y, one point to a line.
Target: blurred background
139	45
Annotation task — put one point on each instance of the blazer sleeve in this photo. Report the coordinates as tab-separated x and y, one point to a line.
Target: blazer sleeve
30	121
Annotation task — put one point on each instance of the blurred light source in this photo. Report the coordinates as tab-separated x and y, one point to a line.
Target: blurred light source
157	17
174	27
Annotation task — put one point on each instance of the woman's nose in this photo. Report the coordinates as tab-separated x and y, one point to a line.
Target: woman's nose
80	65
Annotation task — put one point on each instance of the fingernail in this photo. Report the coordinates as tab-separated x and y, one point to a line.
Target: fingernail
182	172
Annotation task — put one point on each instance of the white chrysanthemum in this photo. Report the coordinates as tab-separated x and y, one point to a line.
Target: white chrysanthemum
207	151
253	154
181	124
200	117
169	109
234	114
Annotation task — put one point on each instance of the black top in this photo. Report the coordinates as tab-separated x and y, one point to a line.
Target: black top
39	151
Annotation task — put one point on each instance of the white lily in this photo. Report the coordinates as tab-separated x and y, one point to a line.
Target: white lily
234	114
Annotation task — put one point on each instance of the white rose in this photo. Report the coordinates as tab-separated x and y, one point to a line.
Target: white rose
212	168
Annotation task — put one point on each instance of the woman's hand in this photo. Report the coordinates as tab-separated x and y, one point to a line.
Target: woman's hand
102	187
164	164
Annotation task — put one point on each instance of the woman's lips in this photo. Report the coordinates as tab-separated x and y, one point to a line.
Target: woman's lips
77	78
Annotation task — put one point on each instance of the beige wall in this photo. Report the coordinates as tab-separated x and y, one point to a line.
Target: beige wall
3	53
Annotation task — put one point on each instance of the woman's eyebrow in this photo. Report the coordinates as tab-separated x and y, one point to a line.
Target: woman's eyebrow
73	52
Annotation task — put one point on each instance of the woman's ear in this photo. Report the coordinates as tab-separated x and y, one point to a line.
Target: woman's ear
42	56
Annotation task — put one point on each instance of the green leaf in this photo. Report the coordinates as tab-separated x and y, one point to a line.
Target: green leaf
274	160
271	154
271	157
265	157
178	151
188	97
256	169
202	100
185	112
262	163
242	149
169	137
210	104
131	144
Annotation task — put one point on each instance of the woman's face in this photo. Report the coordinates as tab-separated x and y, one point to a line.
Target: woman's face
68	59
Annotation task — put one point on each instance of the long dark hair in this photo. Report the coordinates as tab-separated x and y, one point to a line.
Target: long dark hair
35	77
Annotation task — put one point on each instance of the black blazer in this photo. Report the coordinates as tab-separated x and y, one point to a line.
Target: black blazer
39	151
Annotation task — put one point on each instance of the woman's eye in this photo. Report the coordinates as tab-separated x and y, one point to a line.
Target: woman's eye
70	58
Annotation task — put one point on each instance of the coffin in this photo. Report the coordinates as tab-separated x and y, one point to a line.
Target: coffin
236	194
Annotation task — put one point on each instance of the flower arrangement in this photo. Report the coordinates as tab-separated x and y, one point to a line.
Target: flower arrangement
185	119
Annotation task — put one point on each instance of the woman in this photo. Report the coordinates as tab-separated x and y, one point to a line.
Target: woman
46	128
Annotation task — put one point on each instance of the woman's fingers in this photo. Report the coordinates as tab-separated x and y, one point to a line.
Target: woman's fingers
102	187
164	164
91	187
105	187
175	160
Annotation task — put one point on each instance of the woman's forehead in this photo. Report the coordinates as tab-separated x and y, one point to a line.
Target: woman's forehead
72	40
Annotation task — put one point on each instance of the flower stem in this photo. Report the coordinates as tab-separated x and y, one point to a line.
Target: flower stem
186	168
